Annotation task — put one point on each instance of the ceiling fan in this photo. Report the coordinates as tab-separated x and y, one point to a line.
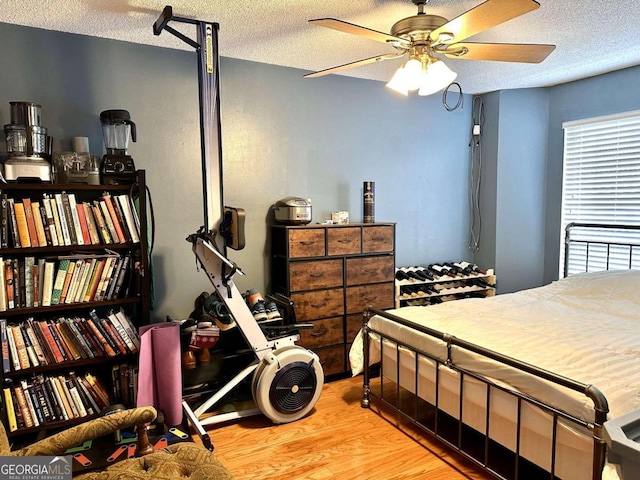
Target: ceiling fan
425	37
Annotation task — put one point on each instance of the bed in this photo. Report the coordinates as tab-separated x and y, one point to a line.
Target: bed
519	383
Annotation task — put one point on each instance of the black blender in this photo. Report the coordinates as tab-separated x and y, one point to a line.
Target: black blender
117	166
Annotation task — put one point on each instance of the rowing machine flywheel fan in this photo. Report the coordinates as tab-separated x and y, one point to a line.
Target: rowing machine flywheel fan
287	384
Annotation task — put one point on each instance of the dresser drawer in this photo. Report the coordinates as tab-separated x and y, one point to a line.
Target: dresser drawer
315	274
318	304
324	332
379	295
343	241
306	243
331	359
377	239
370	269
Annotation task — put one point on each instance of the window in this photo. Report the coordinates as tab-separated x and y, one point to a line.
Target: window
601	184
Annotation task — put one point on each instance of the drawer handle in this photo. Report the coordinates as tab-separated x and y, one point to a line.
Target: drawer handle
319	305
370	270
344	240
370	298
316	275
378	239
306	243
321	331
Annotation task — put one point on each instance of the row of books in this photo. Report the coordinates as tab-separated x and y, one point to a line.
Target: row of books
41	282
124	380
53	398
32	343
60	220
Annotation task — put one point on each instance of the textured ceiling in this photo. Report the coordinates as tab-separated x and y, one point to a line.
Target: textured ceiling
592	37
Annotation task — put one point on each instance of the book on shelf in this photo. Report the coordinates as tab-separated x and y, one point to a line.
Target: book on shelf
35	342
67	281
31	351
91	338
48	282
36	415
45	224
75	397
70	352
80	265
10	408
130	217
96	275
52	345
87	402
21	348
4	341
120	217
98	389
101	223
84	226
29	262
67	404
4	221
108	220
42	341
40	262
35	275
18	283
73	211
73	329
53	219
105	278
21	222
39	224
56	411
111	331
94	235
3	287
8	278
113	218
52	386
56	292
64	223
68	215
22	405
31	224
64	351
45	398
15	236
107	344
84	280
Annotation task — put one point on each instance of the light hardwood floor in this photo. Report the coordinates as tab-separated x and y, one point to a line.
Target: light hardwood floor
338	440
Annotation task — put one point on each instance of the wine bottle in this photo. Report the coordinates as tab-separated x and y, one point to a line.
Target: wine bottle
401	275
440	270
474	268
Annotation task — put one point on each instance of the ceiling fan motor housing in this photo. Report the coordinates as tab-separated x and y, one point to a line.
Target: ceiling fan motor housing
417	26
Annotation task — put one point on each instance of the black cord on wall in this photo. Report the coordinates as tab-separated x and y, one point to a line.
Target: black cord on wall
477	115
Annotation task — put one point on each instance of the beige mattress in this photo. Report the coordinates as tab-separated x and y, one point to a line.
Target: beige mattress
584	327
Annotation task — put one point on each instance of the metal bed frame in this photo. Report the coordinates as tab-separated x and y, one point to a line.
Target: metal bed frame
478	447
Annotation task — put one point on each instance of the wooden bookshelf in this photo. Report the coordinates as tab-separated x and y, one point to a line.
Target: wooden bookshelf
91	301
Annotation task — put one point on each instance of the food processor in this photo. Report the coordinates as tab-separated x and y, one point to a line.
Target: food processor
117	166
28	145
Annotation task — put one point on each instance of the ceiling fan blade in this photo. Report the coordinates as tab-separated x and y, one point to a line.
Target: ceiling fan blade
500	52
358	63
347	27
481	18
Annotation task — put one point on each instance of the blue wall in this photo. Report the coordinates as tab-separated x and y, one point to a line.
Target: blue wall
281	135
606	94
514	156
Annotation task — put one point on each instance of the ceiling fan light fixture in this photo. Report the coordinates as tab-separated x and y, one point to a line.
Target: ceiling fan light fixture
398	82
437	77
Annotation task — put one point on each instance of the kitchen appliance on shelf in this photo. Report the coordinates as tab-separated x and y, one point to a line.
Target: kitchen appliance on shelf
28	145
293	211
117	165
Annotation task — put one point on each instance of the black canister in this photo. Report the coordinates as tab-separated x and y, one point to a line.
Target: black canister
368	191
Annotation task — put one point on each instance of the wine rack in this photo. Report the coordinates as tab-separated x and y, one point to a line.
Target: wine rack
414	292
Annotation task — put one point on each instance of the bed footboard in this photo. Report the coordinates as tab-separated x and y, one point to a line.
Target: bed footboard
467	423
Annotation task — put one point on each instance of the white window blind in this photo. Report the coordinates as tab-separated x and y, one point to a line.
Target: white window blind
601	184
